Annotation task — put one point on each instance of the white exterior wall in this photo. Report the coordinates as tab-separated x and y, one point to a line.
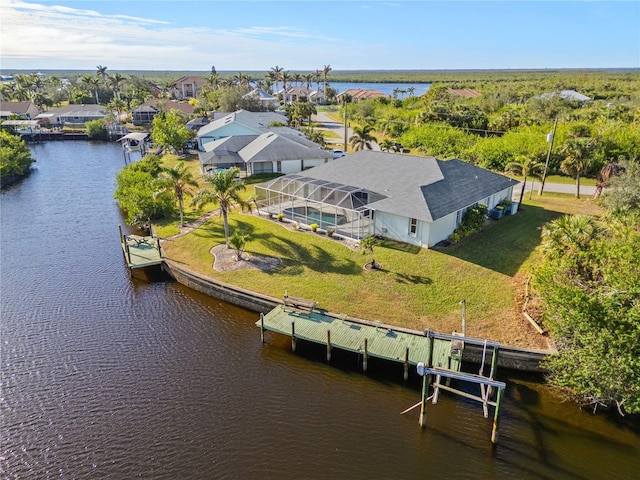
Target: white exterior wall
397	228
428	233
442	228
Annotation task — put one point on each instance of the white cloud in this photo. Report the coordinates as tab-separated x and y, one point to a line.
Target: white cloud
44	36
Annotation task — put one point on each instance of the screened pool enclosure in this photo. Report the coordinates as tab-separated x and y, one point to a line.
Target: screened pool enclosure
308	200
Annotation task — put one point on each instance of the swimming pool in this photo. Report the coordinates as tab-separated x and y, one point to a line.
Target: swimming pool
313	215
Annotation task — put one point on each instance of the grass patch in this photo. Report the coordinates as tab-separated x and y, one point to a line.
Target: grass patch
415	288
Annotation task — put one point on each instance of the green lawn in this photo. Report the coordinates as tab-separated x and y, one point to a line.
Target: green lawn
416	288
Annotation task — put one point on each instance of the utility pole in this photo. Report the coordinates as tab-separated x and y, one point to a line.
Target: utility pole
546	164
344	105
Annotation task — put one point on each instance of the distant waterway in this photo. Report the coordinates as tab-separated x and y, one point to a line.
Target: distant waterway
386	88
107	376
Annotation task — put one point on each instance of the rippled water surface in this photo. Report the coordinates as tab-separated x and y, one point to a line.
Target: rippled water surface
107	376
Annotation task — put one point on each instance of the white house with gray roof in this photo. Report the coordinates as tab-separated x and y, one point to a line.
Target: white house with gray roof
416	200
241	122
285	151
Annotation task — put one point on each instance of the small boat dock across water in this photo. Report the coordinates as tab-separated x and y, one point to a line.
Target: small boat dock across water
140	251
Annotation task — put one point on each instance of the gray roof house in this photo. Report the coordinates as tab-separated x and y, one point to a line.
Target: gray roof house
283	151
416	200
77	114
241	122
25	110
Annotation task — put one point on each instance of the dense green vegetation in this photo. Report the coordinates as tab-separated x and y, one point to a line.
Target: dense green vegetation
589	282
15	157
510	121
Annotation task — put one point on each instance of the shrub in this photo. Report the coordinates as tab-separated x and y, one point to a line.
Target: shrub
330	231
280	216
314	227
96	130
472	221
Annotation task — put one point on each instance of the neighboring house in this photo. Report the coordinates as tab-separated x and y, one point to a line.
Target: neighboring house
570	95
416	200
76	115
358	94
187	87
463	92
143	115
267	101
284	151
241	122
296	93
23	110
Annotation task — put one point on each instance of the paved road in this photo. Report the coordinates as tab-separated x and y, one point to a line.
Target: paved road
328	124
586	190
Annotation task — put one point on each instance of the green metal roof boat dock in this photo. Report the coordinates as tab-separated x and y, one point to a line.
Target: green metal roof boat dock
298	319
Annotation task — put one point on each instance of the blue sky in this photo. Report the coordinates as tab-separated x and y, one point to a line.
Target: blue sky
306	35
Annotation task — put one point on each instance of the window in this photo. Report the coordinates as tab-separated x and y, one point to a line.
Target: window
459	216
413	226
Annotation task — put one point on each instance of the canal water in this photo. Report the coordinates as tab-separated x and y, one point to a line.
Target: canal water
107	376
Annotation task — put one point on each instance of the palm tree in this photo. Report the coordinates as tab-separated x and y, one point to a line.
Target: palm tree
115	82
387	145
569	234
325	71
411	90
101	73
92	83
578	159
277	75
285	77
225	192
178	178
362	137
525	167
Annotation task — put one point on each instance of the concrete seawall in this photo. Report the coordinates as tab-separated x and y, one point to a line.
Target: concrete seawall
509	357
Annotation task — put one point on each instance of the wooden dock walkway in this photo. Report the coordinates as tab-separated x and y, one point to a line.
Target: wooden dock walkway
367	339
140	251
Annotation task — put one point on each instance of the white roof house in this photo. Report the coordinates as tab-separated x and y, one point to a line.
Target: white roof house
570	95
416	200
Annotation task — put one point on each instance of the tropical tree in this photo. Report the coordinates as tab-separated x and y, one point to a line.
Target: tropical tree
101	73
285	77
325	71
569	235
168	129
362	137
115	82
589	284
578	159
93	84
15	156
368	245
525	166
623	189
277	75
140	193
178	179
224	191
238	241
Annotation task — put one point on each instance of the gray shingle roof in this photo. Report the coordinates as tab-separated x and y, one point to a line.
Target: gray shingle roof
271	147
414	187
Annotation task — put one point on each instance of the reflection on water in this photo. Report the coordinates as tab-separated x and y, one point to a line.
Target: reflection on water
107	376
